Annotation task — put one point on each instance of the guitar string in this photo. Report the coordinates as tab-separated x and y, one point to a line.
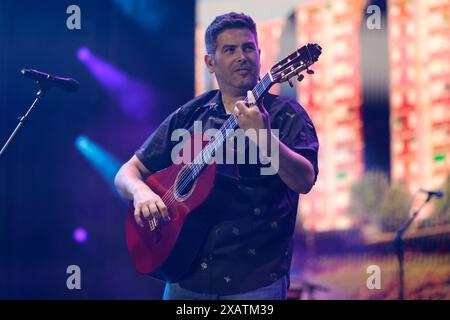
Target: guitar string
193	168
187	176
196	162
196	167
228	125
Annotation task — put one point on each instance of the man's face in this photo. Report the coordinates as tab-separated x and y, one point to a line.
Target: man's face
236	61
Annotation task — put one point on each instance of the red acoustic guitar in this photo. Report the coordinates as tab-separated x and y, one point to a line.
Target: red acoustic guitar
166	250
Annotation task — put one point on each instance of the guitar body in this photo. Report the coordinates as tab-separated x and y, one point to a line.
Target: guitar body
167	251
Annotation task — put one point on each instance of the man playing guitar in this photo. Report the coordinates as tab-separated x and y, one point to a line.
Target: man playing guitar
246	250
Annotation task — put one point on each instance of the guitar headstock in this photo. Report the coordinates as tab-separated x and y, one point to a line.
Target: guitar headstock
295	63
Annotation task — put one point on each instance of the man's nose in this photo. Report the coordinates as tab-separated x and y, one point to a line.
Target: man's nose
240	55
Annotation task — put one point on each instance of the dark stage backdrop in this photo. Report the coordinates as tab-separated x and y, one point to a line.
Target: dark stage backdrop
47	187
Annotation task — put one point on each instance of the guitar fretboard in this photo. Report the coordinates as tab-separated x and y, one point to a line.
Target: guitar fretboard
204	157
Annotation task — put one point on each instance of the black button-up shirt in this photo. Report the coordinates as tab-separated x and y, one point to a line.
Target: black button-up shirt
250	243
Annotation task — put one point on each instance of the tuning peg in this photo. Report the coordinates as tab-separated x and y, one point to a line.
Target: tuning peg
300	77
290	83
309	71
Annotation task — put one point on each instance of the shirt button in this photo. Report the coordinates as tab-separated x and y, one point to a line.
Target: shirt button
204	265
257	211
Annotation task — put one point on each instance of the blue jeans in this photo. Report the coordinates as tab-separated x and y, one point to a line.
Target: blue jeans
274	291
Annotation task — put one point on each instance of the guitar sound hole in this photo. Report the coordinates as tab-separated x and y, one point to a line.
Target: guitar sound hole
185	183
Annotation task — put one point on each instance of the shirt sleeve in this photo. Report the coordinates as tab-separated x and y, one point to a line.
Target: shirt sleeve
155	152
297	131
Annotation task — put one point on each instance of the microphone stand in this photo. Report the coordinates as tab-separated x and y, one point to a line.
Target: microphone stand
22	119
399	244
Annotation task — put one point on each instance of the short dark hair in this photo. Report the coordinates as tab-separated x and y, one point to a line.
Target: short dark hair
229	20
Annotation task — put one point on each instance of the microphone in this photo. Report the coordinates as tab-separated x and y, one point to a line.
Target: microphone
437	193
48	80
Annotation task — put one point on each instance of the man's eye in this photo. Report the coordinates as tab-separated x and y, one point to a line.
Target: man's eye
229	50
250	49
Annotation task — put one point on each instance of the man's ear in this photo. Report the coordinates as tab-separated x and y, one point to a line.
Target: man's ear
209	61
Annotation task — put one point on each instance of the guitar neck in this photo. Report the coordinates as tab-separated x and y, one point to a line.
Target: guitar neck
227	129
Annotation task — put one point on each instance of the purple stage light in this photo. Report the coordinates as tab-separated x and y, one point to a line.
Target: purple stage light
134	97
80	235
83	54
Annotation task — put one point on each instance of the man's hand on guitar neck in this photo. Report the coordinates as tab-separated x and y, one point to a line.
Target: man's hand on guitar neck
251	115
